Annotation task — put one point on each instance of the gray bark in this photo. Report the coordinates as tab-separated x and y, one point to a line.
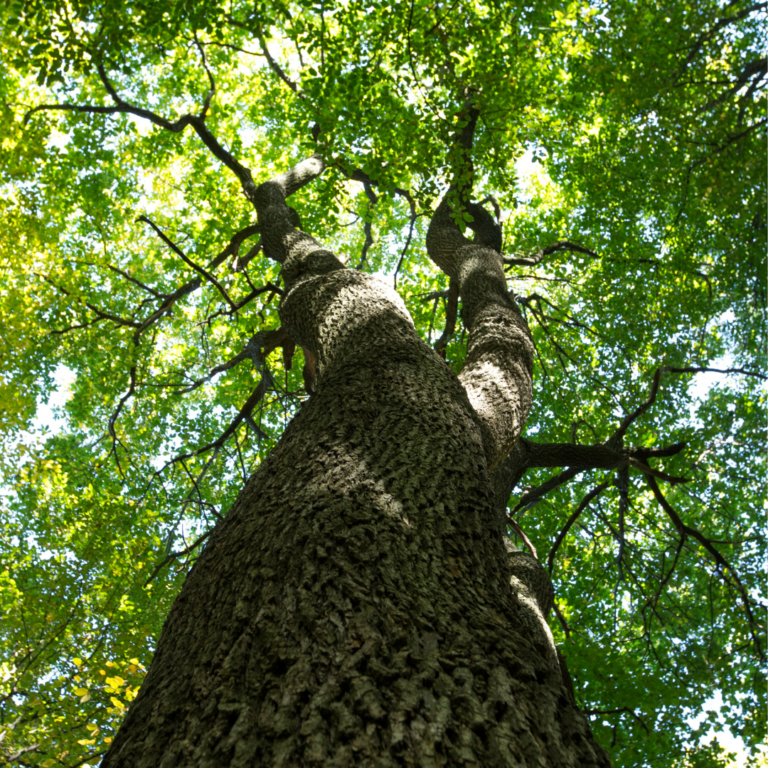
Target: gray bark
357	605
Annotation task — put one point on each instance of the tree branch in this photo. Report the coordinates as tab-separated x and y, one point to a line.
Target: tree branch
621	710
560	245
618	435
196	121
113	418
207	275
585	502
705	37
723	564
211	81
175	555
696	369
451	311
277	69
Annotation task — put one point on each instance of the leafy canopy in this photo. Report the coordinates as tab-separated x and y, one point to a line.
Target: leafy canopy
132	271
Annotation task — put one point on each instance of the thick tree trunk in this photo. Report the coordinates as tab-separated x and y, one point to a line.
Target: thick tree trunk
357	606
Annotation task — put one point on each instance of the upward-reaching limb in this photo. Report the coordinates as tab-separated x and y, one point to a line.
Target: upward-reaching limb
499	362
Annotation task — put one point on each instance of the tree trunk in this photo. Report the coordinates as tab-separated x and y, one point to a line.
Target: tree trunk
357	605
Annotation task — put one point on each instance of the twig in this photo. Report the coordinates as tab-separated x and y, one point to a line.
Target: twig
212	82
113	418
651	601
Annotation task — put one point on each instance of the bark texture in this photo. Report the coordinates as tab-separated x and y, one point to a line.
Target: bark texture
357	606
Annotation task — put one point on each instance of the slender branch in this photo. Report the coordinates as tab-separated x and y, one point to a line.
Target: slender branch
521	533
721	148
211	81
563	623
128	277
233	247
244	415
560	245
578	459
618	435
175	555
368	183
705	37
451	311
113	418
621	710
407	242
723	564
696	369
585	502
646	470
757	69
102	315
277	69
62	331
165	307
114	318
23	751
197	123
653	600
270	340
659	451
529	498
207	275
366	245
367	227
239	357
432	295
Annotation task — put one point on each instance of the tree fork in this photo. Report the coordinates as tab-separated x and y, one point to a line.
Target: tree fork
354	607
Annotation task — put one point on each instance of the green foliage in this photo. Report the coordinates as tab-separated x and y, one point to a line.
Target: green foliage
648	138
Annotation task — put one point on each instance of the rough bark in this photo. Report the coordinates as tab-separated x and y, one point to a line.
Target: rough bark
356	606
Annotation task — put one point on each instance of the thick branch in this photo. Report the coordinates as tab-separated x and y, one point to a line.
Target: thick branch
577	458
499	362
176	555
281	238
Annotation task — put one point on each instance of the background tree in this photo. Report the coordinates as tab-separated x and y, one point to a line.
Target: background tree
637	257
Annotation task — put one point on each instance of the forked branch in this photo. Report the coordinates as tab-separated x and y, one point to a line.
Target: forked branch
723	565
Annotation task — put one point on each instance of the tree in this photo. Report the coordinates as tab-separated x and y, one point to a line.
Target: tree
364	598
